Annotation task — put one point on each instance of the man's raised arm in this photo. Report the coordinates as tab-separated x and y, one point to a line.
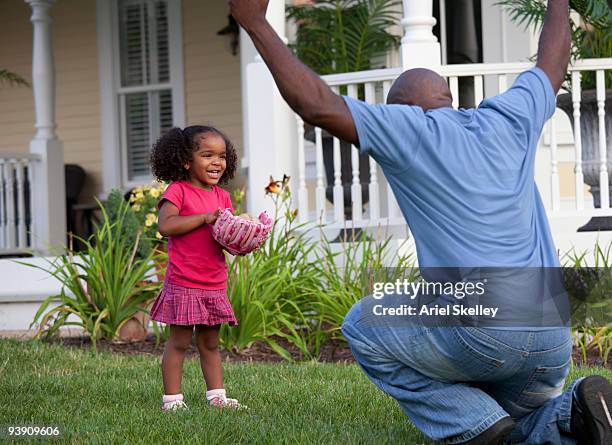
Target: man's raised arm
305	92
554	45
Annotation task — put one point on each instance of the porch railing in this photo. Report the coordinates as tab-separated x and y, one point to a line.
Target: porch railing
484	80
16	212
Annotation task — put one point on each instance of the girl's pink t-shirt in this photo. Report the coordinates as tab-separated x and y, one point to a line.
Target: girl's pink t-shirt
195	259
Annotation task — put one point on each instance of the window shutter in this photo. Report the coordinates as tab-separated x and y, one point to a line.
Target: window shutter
165	111
148	115
144	56
138	129
132	38
163	53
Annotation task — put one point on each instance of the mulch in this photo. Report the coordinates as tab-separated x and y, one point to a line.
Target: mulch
593	358
331	352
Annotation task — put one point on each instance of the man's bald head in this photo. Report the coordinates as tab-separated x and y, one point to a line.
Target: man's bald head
421	87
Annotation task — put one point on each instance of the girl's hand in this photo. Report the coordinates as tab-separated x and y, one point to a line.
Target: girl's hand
210	218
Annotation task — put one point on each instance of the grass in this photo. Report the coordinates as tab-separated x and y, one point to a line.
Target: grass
109	398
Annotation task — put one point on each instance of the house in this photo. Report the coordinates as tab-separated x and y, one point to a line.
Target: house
109	76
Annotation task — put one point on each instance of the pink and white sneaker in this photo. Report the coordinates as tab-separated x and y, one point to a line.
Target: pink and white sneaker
173	403
220	401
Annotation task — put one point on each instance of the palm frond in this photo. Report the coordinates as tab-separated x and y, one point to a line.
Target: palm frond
593	13
591	34
344	35
12	78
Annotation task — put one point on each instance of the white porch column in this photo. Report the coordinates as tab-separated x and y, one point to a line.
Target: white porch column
48	187
269	125
420	48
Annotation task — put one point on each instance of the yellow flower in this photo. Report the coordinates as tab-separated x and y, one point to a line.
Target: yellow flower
139	195
158	235
136	207
151	218
155	192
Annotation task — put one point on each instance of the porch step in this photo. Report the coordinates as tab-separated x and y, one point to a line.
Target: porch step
23	290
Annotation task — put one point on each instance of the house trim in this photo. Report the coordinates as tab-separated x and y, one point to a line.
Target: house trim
109	125
109	72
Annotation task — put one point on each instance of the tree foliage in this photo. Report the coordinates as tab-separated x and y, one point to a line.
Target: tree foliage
339	36
591	30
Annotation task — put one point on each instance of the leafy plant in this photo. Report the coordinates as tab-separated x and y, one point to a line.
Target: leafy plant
339	36
130	228
238	199
104	286
592	288
294	288
12	78
262	285
144	201
160	331
349	274
591	34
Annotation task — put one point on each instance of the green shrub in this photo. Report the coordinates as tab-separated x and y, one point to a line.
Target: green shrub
143	200
263	285
591	34
130	228
592	285
293	288
342	36
349	273
104	285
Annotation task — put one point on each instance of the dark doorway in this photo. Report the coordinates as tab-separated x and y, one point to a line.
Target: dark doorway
461	41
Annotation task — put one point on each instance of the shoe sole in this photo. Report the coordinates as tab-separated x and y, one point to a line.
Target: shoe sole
595	395
495	435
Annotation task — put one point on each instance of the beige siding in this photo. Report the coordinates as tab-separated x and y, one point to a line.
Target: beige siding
16	103
212	73
212	78
77	94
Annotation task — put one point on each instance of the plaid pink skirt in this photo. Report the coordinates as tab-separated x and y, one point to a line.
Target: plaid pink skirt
187	306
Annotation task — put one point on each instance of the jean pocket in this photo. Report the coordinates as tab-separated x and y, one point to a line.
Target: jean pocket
482	356
544	383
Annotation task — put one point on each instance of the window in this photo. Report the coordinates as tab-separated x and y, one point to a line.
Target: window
144	92
141	83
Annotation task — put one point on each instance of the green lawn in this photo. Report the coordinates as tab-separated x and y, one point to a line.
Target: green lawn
116	399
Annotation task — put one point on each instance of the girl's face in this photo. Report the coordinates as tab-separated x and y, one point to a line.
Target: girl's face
208	162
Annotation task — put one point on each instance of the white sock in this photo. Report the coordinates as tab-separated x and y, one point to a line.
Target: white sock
171	398
215	393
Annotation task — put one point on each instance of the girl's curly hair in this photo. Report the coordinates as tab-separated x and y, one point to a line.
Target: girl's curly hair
175	148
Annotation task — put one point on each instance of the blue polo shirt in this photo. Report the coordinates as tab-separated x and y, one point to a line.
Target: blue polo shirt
464	179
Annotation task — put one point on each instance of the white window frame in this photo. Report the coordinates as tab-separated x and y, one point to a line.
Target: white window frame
114	166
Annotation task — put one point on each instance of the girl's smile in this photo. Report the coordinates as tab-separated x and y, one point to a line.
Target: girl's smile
209	161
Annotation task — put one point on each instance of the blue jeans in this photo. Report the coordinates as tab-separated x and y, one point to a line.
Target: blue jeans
456	382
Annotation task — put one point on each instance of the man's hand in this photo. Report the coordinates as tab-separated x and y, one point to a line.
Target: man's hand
305	92
249	12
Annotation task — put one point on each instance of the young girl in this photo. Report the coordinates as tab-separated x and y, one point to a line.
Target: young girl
194	160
